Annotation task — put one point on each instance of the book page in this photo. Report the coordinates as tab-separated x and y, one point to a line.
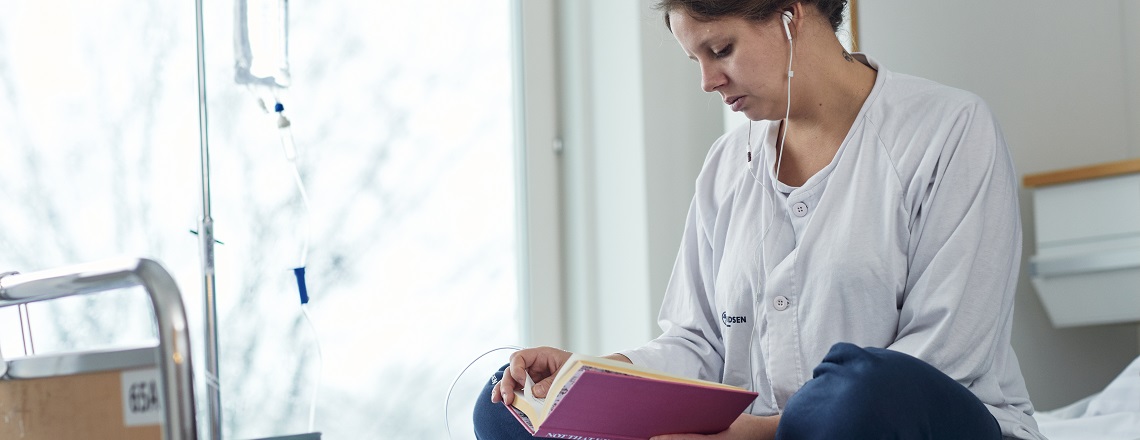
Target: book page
560	383
532	406
554	400
522	417
613	366
576	361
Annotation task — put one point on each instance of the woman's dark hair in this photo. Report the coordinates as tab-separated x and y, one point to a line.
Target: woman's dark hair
756	10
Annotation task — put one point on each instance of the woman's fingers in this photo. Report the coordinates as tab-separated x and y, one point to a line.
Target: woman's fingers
542	387
541	363
520	363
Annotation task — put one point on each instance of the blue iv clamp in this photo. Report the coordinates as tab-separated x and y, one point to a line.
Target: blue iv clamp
300	274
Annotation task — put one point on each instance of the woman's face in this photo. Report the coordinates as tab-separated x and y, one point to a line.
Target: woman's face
745	61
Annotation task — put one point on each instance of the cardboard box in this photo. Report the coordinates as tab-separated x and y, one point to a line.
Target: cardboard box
80	406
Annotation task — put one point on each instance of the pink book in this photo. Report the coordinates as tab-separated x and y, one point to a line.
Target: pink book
594	404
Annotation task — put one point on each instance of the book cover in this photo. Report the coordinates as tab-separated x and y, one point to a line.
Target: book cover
594	403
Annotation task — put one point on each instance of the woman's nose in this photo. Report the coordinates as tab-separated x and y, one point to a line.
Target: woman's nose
711	78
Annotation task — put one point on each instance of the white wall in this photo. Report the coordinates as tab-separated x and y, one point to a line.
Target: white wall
636	130
1064	81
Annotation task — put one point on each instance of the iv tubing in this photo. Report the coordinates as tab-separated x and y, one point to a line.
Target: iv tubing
290	155
304	297
305	201
320	368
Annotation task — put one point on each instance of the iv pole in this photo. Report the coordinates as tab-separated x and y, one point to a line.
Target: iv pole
206	237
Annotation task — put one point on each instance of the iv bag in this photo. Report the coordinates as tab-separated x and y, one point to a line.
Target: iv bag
261	42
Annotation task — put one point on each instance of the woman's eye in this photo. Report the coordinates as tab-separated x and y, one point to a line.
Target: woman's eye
723	52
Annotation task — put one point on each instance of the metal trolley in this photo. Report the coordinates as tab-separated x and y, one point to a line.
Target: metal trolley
173	350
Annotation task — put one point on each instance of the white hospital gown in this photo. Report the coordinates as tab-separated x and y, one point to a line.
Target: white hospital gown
910	239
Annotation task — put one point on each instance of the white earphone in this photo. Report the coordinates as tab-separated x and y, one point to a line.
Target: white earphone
787	18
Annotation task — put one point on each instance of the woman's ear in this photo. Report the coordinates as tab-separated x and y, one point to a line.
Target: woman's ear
792	16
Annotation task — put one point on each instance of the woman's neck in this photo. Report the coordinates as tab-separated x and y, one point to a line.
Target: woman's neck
828	91
831	85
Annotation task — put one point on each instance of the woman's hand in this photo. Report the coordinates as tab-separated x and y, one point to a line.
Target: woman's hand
747	426
542	363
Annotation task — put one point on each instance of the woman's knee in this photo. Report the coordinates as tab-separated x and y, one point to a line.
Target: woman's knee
485	417
837	396
493	420
879	393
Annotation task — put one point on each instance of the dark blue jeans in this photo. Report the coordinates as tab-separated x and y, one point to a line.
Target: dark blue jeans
855	393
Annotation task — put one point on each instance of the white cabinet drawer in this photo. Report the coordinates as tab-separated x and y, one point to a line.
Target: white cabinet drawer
1106	208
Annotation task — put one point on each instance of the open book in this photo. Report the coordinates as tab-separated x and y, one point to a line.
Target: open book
598	399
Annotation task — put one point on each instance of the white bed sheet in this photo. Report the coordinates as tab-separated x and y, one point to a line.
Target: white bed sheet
1112	414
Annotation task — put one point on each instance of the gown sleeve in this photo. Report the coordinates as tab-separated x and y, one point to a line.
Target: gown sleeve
691	344
965	248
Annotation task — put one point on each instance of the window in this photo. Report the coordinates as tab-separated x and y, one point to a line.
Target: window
403	116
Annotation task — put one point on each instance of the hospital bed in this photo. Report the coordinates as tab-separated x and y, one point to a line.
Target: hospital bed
70	395
1112	414
1085	270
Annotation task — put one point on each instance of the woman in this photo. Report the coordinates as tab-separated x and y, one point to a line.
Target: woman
862	208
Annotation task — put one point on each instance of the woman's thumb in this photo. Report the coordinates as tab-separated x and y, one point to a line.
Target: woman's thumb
542	387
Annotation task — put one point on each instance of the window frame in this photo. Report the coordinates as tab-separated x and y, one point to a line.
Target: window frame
538	174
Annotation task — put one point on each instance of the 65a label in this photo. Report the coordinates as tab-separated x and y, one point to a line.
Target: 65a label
142	397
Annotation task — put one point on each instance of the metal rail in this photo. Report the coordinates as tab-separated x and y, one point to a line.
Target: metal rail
173	331
206	237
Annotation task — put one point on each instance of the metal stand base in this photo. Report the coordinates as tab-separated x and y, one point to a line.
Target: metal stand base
308	436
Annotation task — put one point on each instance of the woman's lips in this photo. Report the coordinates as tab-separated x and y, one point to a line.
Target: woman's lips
735	103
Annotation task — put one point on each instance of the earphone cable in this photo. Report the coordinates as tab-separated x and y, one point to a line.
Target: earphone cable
762	258
447	400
